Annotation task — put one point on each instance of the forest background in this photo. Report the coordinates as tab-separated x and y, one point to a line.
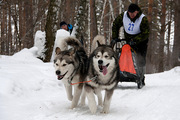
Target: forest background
21	19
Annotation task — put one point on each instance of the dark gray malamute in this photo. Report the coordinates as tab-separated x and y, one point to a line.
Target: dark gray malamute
71	67
103	69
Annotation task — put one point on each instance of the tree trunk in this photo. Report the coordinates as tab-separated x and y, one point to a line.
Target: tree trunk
29	24
116	8
50	29
2	31
150	8
162	32
106	20
135	1
176	46
150	43
170	12
9	40
21	21
93	21
24	27
82	22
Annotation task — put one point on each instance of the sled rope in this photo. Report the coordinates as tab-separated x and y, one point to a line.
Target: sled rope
92	79
80	82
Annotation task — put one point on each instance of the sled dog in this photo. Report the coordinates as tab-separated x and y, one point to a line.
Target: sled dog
103	71
71	67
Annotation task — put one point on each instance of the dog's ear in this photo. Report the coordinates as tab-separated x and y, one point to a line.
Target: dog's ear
58	50
71	51
112	44
99	44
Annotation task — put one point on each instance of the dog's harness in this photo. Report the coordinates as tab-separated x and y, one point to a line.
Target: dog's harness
74	72
92	79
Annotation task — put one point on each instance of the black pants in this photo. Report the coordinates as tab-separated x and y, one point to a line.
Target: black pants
141	51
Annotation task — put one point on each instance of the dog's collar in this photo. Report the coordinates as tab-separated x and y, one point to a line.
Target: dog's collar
75	70
72	75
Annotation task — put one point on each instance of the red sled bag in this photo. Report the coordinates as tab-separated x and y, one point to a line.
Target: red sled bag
127	64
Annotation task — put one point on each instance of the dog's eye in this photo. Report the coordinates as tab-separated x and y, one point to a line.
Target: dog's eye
97	56
56	64
64	65
106	56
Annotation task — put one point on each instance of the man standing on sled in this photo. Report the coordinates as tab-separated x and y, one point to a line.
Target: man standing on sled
136	32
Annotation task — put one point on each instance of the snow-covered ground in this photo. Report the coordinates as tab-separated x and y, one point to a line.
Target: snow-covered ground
29	90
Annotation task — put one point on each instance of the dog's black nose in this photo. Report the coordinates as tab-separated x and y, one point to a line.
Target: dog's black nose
58	72
100	62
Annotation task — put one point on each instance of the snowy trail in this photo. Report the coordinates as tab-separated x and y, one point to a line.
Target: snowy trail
29	90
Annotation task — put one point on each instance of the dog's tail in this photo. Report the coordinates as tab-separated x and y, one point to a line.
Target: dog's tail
98	38
71	42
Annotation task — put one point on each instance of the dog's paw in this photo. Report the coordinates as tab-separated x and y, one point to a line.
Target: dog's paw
82	104
72	107
100	104
93	110
105	111
70	98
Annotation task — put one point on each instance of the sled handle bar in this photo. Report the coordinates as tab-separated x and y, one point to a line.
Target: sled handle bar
120	40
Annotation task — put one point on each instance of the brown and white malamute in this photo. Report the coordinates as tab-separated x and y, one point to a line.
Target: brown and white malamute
103	69
71	67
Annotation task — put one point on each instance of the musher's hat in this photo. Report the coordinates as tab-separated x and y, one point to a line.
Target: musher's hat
133	7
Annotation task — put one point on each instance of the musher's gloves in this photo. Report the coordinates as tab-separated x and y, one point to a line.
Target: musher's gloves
132	43
114	41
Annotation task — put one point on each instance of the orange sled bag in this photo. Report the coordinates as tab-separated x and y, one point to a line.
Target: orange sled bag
127	64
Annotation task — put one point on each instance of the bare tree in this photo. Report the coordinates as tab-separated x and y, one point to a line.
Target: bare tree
50	28
9	38
150	43
2	29
162	32
93	21
116	7
169	24
135	1
82	22
106	20
176	48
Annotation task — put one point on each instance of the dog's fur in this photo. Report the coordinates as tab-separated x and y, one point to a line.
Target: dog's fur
71	67
103	66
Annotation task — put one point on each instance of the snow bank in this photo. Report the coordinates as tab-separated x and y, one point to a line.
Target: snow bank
39	42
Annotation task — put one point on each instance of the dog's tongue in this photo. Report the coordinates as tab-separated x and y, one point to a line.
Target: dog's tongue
104	70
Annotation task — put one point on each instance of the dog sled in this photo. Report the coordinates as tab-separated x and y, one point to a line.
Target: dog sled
130	70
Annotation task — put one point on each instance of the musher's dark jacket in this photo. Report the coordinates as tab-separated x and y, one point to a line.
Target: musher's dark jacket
141	39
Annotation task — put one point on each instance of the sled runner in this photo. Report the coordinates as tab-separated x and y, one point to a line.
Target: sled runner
128	64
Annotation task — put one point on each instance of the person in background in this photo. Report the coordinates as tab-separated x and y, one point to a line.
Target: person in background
69	28
65	26
136	31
